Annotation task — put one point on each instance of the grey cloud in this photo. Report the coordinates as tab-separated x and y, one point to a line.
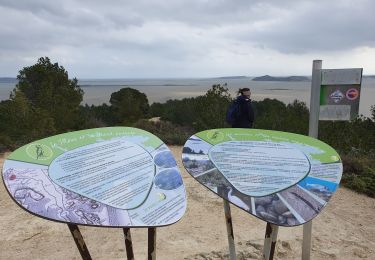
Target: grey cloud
329	27
322	25
183	31
36	6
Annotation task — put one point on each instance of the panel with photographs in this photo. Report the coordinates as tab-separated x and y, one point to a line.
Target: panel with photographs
291	205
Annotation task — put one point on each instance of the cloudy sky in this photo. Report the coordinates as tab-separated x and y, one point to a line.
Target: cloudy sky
180	38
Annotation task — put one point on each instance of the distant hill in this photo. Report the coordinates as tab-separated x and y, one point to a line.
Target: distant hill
290	78
8	80
233	77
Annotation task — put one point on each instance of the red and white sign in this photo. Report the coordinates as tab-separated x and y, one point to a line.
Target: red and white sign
352	94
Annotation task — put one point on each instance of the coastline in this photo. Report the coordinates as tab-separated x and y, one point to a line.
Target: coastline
98	92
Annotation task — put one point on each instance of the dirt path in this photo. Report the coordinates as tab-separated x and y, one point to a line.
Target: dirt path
344	230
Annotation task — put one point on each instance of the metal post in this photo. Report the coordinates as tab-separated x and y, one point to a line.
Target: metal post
306	244
80	243
267	241
128	244
275	230
315	98
313	132
270	239
151	244
228	221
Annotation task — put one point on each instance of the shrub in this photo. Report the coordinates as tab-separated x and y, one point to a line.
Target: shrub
359	175
166	131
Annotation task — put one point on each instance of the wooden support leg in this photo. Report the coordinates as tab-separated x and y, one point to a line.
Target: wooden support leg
270	239
80	243
128	244
151	244
228	221
306	244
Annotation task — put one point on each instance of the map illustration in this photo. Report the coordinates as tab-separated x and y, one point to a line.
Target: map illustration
116	176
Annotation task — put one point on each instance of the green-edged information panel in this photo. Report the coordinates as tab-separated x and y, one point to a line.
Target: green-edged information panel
115	176
282	178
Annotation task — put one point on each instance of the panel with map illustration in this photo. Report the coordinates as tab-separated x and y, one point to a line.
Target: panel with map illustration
115	176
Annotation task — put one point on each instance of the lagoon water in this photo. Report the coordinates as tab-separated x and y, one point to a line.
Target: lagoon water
98	91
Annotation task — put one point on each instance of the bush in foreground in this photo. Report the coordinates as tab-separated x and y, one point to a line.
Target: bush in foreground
359	175
166	131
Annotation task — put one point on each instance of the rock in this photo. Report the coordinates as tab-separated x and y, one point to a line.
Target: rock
287	214
279	206
264	200
268	216
281	219
286	245
260	208
272	211
291	221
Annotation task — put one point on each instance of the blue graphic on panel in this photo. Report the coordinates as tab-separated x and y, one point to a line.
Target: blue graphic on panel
165	159
321	188
311	183
168	179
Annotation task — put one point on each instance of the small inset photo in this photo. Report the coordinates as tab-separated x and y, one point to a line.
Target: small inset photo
165	159
169	179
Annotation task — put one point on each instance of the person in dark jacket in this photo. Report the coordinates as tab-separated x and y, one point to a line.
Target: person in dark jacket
245	117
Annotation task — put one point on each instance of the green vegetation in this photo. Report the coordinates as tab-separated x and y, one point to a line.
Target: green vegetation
128	106
273	114
201	113
46	102
359	174
46	86
165	130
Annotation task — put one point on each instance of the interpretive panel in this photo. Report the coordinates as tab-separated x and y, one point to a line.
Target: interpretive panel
116	176
282	178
